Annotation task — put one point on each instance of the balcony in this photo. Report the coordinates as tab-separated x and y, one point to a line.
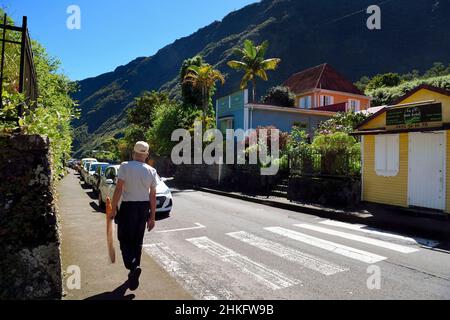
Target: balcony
338	107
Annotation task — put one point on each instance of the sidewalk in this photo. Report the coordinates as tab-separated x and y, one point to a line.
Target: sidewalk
83	237
411	223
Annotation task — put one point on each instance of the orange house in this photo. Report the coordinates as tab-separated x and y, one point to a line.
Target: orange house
323	88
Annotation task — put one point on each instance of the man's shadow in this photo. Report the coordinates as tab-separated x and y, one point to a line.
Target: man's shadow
117	294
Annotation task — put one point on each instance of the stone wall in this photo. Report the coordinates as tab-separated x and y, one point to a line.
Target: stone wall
30	265
333	191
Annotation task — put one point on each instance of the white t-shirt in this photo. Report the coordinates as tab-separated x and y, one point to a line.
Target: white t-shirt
139	177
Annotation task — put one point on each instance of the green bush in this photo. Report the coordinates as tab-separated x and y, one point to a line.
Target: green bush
339	153
279	96
341	122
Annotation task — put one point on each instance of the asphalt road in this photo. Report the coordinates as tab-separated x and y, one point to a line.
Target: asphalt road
216	247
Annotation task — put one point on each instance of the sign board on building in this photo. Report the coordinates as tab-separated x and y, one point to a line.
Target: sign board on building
414	117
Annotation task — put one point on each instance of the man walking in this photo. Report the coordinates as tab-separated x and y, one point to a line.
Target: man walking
136	185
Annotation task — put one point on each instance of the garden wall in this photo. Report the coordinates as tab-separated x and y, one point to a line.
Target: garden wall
334	191
30	265
234	178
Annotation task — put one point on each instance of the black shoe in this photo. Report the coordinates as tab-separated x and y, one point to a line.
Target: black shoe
133	278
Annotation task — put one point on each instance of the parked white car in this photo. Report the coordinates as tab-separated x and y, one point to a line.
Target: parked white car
91	171
84	167
164	200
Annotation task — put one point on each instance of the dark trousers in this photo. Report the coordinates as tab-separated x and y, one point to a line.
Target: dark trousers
131	222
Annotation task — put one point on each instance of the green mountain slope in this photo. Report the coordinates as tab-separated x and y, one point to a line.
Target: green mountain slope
303	33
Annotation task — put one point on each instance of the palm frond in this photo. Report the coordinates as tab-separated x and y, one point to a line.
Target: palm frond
245	79
262	49
270	64
238	65
262	74
250	49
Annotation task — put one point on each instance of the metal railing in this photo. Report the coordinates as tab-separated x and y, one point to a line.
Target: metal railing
27	81
317	164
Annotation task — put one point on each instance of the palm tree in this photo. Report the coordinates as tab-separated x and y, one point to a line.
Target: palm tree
204	78
253	63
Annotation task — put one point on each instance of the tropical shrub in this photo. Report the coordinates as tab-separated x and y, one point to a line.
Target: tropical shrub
266	143
338	153
141	112
167	119
384	80
341	122
55	109
299	150
279	96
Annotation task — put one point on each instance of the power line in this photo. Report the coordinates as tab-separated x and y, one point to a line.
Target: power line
351	14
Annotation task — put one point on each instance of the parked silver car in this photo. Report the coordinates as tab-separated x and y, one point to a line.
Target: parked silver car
107	185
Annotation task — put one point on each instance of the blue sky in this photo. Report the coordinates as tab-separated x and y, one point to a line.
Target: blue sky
114	32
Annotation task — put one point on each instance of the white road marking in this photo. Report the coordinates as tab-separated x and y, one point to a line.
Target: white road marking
290	254
174	265
354	237
363	228
270	278
349	252
198	226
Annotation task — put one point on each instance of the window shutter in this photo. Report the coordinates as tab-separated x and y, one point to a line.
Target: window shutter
387	155
393	153
380	154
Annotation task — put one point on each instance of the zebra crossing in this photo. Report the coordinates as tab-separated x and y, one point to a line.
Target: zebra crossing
301	235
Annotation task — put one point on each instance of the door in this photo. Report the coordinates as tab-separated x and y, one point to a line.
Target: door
426	183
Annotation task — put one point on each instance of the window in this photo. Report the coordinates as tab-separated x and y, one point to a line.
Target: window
305	102
387	155
354	105
224	124
110	174
326	100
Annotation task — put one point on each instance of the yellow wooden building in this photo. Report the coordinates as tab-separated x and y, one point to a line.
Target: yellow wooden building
405	151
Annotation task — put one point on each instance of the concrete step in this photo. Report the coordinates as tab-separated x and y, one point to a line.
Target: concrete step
279	187
277	193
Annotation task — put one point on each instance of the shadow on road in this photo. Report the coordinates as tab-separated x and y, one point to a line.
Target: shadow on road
162	216
176	191
95	206
85	186
92	195
116	294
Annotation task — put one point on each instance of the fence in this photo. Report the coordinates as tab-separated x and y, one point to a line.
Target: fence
330	164
27	81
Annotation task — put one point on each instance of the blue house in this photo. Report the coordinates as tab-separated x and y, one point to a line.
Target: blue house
235	112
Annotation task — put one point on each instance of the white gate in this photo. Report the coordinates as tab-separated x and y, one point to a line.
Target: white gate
426	178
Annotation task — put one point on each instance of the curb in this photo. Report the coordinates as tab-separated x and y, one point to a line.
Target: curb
418	226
